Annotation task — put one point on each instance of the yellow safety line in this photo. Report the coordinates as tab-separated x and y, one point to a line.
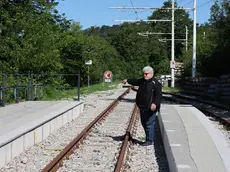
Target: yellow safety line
43	147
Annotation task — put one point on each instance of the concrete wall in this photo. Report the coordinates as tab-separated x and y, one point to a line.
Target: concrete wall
212	87
42	127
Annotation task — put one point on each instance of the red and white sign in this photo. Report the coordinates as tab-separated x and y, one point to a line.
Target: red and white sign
108	75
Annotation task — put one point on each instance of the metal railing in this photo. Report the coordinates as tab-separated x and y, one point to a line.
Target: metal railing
29	87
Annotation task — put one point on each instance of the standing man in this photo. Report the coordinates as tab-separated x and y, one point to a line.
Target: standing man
148	99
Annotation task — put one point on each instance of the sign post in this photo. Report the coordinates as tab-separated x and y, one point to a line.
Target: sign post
88	63
108	75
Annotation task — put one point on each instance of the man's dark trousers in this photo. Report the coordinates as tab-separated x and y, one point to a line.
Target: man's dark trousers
148	119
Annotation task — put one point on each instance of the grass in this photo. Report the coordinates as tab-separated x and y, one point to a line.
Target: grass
99	87
53	94
170	90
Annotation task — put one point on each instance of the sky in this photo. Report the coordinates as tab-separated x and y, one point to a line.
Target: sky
97	12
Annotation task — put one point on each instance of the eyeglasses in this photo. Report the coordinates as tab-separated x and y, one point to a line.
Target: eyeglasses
146	73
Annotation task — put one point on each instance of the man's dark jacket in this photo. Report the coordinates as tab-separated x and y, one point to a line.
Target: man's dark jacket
149	92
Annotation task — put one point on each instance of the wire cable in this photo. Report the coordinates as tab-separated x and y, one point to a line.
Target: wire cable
205	4
134	9
43	147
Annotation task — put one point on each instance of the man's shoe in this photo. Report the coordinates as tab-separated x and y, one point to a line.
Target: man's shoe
148	143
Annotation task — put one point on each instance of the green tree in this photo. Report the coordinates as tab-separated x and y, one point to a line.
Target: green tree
31	36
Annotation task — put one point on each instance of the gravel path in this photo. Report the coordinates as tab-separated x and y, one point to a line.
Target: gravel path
150	158
100	149
144	159
35	158
223	130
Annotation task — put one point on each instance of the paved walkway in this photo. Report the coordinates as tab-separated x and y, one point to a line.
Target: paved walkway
16	119
192	142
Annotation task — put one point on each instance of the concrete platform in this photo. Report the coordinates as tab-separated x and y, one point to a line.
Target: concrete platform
192	143
19	122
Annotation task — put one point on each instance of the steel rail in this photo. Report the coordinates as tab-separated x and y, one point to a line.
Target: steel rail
57	162
126	140
198	100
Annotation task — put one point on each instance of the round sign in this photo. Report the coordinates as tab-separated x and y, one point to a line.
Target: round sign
108	75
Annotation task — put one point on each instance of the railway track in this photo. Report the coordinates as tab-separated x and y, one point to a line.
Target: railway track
101	148
103	144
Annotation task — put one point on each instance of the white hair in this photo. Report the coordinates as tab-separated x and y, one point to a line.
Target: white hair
148	69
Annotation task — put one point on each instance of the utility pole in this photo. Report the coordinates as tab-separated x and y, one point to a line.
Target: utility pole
153	33
88	63
149	8
130	21
185	40
194	41
88	75
186	37
172	48
164	40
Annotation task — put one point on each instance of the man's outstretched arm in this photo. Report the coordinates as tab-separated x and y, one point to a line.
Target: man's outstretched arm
132	81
